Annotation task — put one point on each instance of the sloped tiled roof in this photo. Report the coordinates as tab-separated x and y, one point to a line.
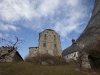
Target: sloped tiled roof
71	49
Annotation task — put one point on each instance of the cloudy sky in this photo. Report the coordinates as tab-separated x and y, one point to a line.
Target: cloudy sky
26	18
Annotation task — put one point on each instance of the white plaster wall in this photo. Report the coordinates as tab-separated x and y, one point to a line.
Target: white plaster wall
72	56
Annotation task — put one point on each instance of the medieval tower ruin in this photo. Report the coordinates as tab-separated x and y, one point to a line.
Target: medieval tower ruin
49	43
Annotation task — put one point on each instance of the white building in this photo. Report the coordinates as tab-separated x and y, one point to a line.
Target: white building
75	52
71	53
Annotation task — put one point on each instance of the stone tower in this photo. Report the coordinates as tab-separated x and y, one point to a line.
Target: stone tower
49	43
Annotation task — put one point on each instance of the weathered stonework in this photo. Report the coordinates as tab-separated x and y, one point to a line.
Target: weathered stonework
85	60
49	43
33	51
9	54
91	33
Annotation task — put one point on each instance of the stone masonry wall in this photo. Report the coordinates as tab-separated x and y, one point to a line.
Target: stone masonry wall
49	43
91	33
33	51
96	7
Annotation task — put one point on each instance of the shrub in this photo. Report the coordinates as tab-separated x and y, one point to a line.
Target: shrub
94	56
47	58
29	59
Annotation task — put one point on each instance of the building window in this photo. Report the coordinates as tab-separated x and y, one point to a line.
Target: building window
45	36
44	44
54	45
54	37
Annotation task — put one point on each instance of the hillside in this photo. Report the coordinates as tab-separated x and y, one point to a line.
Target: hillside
23	68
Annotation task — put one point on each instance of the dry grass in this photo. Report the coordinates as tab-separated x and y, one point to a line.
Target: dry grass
23	68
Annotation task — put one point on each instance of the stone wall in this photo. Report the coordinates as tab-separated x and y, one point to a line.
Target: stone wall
96	7
9	54
33	51
91	33
85	61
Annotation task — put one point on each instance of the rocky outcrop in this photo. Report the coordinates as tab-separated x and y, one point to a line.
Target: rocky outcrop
92	31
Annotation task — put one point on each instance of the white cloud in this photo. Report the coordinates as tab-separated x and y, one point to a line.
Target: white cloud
7	27
13	10
1	35
72	2
47	7
65	16
7	35
74	18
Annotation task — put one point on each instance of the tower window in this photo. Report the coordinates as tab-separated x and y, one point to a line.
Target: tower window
44	44
54	45
54	37
45	36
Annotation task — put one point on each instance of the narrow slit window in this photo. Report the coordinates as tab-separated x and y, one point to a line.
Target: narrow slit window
54	36
54	45
44	44
45	36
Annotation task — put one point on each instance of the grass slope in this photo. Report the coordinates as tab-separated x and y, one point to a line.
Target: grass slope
22	68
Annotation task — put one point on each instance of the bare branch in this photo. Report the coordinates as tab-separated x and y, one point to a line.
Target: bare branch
13	44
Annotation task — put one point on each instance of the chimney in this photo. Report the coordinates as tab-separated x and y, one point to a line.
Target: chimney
73	41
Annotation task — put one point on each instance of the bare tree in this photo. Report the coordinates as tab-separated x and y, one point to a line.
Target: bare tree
12	44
